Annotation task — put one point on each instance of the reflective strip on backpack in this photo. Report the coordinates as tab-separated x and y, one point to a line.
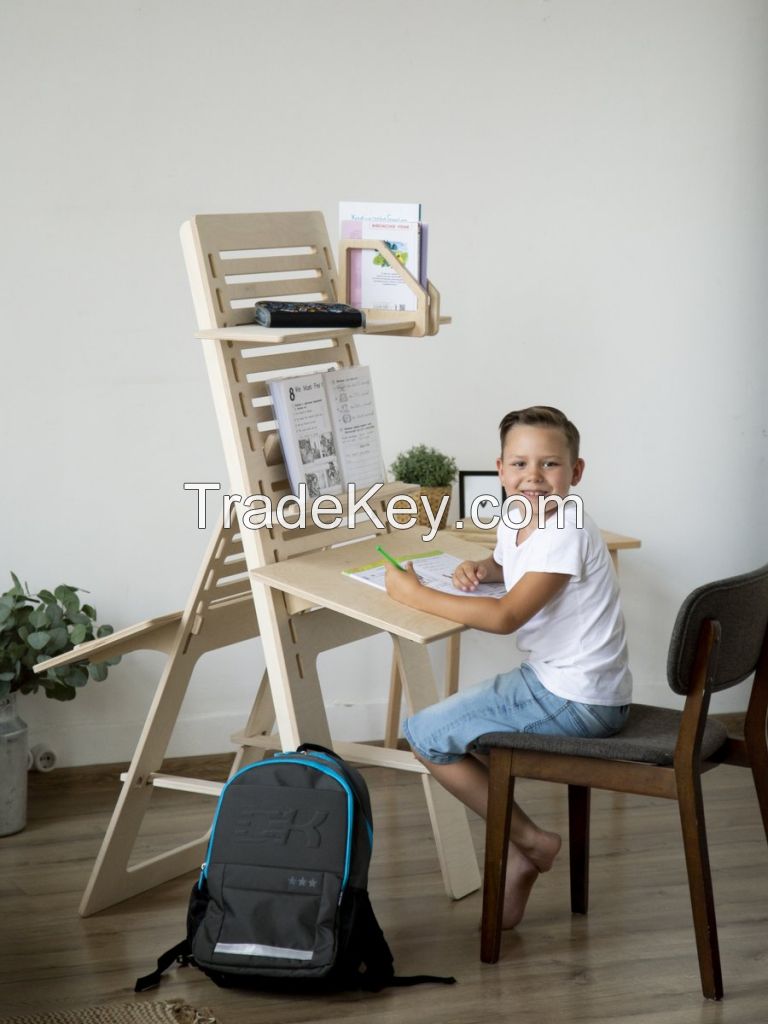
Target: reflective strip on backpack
255	949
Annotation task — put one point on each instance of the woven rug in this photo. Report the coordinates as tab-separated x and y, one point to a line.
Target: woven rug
122	1013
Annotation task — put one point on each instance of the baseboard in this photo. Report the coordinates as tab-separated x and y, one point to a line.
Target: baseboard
195	766
217	766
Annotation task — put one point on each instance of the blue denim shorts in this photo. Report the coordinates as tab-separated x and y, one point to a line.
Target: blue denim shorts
512	702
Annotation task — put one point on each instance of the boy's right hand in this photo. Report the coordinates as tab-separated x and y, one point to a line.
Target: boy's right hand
467	575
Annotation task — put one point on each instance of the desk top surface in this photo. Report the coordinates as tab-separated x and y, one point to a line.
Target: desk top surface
318	577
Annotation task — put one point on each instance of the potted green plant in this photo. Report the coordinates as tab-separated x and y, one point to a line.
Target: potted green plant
34	628
432	471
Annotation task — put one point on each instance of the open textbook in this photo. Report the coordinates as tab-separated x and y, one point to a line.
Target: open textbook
434	568
328	430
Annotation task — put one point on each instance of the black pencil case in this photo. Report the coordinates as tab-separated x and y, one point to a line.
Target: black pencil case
307	314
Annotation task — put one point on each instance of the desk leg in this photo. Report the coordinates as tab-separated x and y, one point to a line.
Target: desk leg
455	850
452	658
392	728
296	696
112	880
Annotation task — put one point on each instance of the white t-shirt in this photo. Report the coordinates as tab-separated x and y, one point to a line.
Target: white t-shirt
576	643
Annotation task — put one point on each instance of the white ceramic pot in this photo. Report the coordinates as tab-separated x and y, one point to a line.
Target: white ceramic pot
13	768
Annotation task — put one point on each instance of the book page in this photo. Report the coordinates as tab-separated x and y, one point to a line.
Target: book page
435	570
383	211
353	414
306	434
381	287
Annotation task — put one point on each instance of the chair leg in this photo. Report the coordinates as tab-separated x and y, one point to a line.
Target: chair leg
691	806
501	791
578	846
760	777
757	749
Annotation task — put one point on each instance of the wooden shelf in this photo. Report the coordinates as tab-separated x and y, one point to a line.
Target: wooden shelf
279	335
425	320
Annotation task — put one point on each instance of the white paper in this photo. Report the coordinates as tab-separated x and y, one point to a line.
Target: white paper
435	569
350	397
306	434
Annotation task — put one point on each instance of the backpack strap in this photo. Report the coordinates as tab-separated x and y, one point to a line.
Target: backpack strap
351	776
180	953
376	969
419	979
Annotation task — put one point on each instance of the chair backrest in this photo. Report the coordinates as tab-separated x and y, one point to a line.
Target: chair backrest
740	605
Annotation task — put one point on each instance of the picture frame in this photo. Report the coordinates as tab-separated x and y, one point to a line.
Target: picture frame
472	484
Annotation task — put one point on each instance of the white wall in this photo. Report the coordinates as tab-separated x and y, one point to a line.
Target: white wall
594	178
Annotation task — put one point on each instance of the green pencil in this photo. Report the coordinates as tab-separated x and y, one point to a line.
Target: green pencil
389	558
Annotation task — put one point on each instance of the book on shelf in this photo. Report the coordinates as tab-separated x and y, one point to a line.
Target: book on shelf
373	284
328	430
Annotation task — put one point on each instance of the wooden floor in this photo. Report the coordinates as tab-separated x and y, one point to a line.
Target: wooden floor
631	960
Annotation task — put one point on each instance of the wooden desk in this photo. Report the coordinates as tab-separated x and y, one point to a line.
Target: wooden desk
318	579
228	258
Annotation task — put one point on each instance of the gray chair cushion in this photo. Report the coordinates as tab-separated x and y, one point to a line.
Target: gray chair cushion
650	735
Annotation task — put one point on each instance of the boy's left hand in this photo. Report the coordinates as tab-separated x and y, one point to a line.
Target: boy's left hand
402	583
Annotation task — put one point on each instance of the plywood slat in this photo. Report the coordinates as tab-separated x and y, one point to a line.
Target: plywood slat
278	362
265	289
265	264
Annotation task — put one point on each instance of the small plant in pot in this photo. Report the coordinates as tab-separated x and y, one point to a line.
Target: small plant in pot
432	471
34	628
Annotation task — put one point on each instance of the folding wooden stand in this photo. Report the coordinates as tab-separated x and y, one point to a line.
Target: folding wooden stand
232	261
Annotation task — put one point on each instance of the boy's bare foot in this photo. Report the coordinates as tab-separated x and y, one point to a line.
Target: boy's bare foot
521	874
523	868
543	849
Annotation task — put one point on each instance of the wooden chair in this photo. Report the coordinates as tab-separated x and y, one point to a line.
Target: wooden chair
719	639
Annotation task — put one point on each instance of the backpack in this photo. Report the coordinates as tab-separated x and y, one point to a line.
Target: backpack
282	898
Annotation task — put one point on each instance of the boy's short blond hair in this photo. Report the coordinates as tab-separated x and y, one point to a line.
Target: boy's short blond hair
542	416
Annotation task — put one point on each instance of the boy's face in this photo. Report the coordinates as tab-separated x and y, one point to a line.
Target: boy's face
536	461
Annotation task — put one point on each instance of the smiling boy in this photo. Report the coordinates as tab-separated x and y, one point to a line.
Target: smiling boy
562	600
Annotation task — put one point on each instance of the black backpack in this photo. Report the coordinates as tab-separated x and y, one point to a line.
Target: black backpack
282	897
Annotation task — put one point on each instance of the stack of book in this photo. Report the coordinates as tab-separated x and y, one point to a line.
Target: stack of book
373	284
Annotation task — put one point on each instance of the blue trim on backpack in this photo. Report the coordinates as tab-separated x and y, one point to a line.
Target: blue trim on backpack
281	759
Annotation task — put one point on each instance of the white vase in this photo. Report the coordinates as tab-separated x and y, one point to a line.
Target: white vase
13	768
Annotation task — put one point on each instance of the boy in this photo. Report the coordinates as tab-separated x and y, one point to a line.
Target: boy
562	600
